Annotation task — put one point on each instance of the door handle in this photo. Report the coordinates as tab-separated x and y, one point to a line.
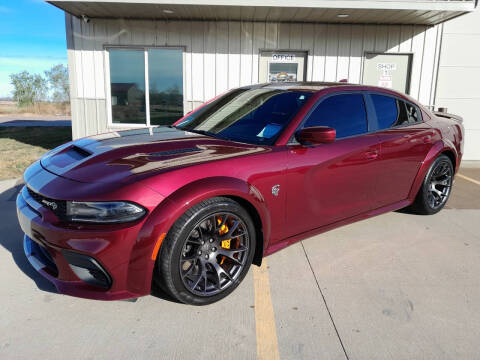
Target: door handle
371	155
427	139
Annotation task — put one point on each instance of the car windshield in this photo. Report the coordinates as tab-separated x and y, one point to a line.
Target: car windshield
254	116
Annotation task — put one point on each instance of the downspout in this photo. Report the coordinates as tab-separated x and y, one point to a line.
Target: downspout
439	57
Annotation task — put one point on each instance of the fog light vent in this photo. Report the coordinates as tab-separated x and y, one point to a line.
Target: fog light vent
88	269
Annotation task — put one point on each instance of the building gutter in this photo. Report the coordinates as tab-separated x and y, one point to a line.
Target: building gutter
429	5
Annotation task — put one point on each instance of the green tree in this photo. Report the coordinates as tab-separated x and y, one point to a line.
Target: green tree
57	78
28	88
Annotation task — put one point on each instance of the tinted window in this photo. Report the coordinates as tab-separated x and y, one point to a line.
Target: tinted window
412	114
345	113
393	112
247	115
386	109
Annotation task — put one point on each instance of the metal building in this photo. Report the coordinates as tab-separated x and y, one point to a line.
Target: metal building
458	84
147	62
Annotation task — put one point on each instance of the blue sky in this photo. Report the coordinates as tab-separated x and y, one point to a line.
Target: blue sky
32	38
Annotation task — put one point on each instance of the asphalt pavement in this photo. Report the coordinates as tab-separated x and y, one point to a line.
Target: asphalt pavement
397	286
35	120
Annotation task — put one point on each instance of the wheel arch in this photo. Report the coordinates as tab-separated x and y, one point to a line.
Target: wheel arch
451	156
221	186
257	220
160	220
238	190
439	148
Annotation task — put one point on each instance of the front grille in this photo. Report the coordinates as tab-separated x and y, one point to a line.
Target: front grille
58	207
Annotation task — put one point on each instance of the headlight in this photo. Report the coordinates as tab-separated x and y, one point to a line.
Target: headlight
104	212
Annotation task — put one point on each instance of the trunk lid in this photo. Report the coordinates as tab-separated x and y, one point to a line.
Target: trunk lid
448	116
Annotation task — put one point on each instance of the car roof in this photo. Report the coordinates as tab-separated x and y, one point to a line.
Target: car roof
304	85
315	86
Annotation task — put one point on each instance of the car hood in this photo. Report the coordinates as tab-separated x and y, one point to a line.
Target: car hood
131	154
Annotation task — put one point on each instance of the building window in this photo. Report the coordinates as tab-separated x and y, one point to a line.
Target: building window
146	85
282	72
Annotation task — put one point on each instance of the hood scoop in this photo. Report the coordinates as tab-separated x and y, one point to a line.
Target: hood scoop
66	157
78	152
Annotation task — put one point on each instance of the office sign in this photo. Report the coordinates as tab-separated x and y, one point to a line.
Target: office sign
284	57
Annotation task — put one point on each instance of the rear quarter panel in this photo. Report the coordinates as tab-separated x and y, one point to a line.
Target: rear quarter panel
449	135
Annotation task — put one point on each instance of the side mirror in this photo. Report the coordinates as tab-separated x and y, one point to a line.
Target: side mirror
316	135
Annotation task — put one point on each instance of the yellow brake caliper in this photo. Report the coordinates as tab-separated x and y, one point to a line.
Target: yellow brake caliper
225	243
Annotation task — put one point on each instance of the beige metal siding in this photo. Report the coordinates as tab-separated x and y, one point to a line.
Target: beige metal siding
459	77
222	55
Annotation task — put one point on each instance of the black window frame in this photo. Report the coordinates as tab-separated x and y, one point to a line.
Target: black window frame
373	113
293	140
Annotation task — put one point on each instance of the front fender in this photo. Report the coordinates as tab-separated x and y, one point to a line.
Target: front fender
199	190
170	209
438	148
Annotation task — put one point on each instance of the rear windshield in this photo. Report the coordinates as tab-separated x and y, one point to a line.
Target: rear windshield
254	116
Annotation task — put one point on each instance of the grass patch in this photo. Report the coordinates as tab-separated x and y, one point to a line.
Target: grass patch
21	146
42	108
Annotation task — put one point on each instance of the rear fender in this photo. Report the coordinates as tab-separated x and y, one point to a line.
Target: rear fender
436	150
170	209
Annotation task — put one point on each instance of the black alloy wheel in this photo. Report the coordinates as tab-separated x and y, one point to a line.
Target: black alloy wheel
207	252
436	187
214	254
440	184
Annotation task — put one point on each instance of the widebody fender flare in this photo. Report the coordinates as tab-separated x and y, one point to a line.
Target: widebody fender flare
438	148
173	206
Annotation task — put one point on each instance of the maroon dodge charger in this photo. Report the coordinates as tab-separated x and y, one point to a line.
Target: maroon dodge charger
190	206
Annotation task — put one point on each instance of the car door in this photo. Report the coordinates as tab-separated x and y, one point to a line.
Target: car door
330	182
404	143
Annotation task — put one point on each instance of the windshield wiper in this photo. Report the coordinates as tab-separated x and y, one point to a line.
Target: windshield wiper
203	132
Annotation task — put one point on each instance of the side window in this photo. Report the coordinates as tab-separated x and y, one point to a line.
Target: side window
393	112
412	114
390	112
345	113
403	116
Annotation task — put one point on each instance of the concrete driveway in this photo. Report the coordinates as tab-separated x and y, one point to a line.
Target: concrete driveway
397	286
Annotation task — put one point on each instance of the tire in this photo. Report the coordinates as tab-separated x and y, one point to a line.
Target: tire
429	201
197	264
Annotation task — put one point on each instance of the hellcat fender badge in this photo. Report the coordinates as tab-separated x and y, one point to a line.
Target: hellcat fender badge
275	189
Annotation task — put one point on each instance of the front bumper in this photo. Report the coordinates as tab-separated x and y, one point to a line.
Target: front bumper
84	266
104	262
59	254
